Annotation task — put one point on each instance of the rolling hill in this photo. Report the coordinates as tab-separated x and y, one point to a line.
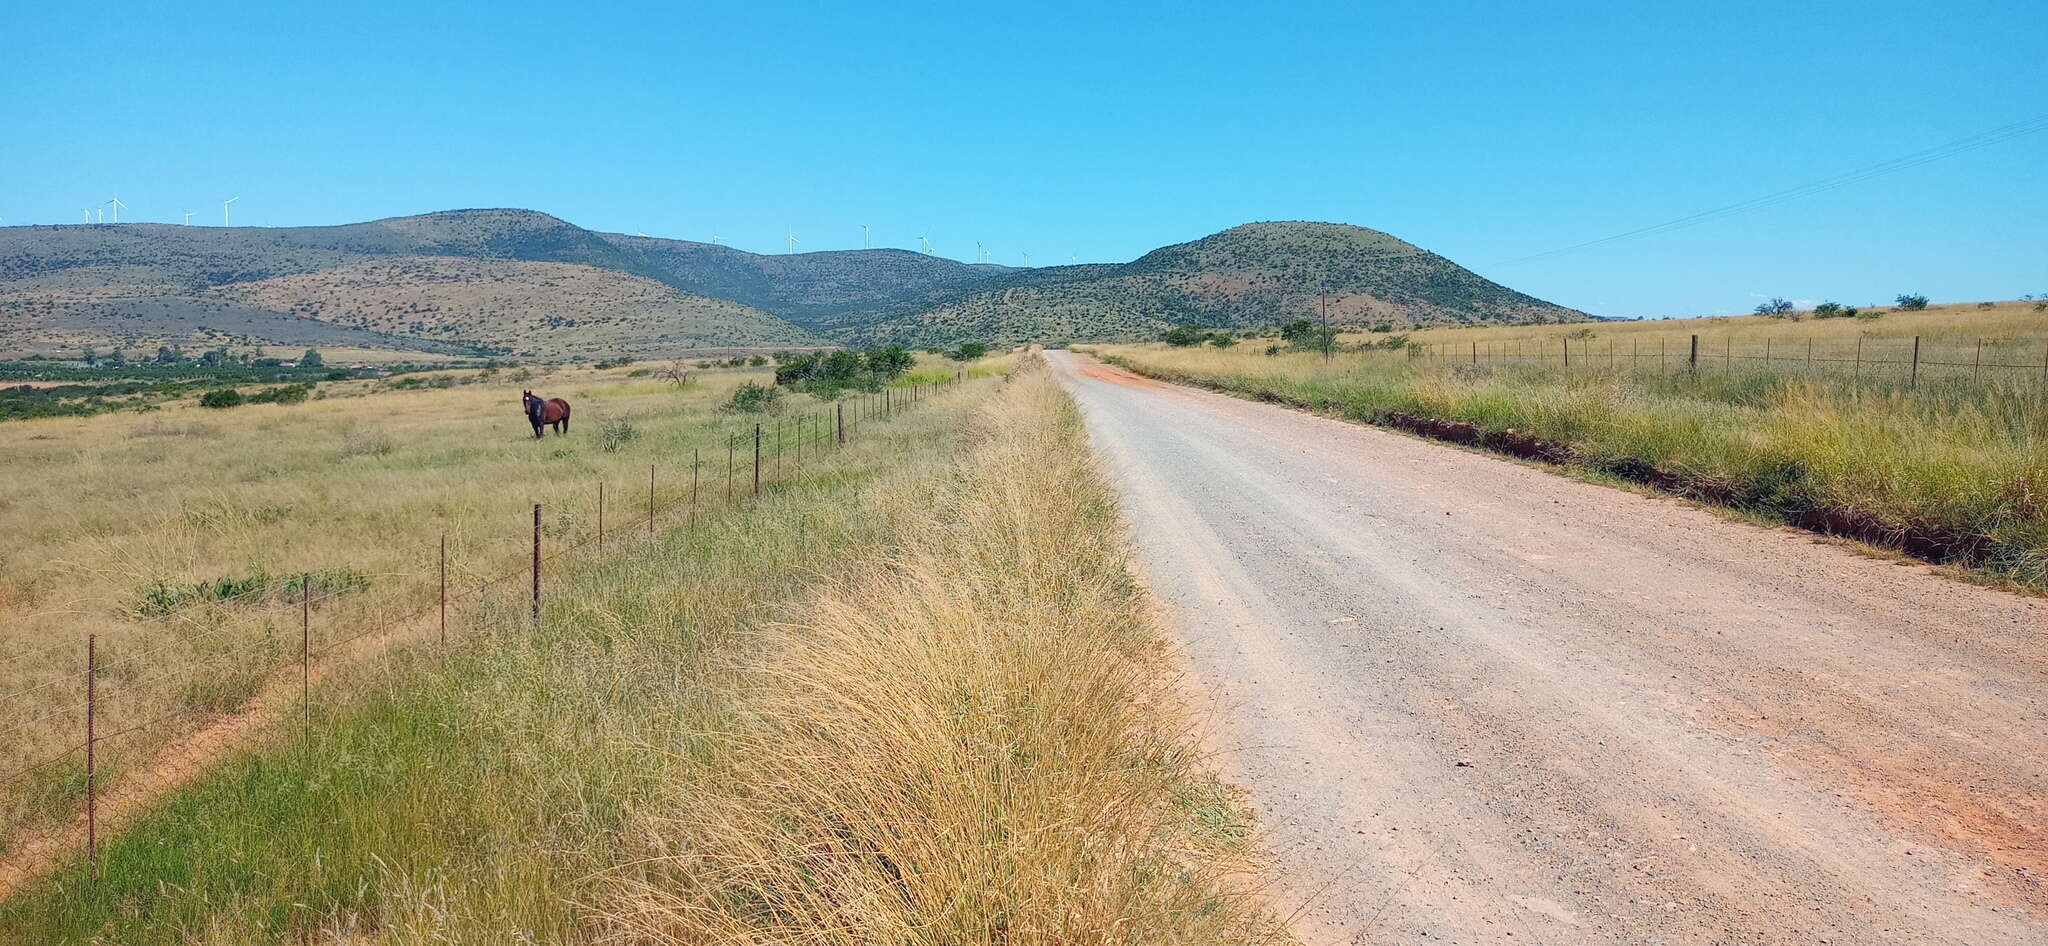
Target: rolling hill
1257	274
526	283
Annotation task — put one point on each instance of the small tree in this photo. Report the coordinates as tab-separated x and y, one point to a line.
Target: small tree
311	359
1827	310
1182	336
1222	339
968	351
1776	308
1911	301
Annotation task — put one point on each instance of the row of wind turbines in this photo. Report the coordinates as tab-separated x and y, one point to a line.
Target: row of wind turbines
867	242
118	206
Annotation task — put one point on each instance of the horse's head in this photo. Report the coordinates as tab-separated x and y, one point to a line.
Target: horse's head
530	404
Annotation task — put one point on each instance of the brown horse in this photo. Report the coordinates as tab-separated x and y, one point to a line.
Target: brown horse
541	413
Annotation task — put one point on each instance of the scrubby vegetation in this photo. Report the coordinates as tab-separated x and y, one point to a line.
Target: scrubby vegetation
826	374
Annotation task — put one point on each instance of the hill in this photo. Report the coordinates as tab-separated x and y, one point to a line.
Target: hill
1257	274
519	281
510	281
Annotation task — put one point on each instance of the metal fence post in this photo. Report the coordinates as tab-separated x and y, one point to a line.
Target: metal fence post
1693	362
650	500
1914	382
840	410
536	563
693	487
600	517
757	459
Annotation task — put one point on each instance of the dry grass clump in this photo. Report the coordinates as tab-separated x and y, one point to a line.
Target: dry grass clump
966	744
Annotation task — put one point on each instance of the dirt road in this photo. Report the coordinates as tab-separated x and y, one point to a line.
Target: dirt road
1477	702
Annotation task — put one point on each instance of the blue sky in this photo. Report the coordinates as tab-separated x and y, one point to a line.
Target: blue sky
1485	132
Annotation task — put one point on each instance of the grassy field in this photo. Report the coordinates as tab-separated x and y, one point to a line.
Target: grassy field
2002	343
1955	471
906	696
179	537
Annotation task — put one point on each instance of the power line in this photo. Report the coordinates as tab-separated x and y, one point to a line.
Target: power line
1925	156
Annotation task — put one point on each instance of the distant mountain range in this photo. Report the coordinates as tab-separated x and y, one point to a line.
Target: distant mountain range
524	283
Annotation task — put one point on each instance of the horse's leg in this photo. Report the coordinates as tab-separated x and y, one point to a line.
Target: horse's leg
536	431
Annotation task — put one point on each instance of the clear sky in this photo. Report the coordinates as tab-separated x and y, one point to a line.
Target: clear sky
1486	132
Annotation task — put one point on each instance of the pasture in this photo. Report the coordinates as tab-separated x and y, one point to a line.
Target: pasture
182	538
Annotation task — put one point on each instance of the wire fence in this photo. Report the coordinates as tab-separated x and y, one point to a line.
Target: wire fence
134	739
1900	361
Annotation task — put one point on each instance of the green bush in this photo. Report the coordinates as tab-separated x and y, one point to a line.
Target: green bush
754	398
1911	301
1182	336
220	398
285	394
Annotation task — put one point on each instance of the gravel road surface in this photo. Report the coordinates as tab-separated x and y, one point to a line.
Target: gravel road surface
1476	702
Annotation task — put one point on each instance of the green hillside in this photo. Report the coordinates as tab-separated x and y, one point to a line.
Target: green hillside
1255	275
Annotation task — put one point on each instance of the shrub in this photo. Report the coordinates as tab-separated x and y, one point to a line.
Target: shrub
754	398
1182	336
1382	327
284	394
1828	310
220	398
1871	314
1911	301
968	351
616	433
1222	339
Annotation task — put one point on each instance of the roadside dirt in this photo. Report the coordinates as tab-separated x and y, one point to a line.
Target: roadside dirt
1476	702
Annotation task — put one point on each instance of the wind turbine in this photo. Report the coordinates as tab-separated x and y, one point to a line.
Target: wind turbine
224	208
1027	260
921	238
103	215
980	252
117	205
188	218
793	241
714	239
638	233
88	215
866	237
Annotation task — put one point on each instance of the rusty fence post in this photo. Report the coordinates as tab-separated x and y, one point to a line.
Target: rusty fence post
1914	382
536	563
757	459
92	810
1567	352
1978	366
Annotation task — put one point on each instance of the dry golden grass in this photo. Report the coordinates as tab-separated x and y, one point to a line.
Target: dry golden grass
2012	333
964	744
355	488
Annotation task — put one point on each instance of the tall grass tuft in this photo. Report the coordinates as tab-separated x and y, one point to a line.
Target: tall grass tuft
964	744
